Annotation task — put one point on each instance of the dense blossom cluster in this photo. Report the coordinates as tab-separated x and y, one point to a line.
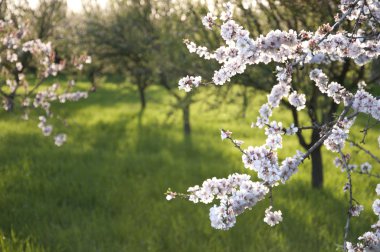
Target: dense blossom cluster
362	101
16	47
289	49
370	9
264	161
279	46
236	193
366	103
339	134
297	100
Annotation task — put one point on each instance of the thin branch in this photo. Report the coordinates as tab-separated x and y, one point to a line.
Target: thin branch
325	136
347	226
368	174
236	145
365	150
36	86
296	124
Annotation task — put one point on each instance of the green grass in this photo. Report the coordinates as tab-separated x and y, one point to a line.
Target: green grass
104	189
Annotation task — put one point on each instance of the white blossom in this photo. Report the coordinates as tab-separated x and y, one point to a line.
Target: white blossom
209	20
188	82
366	167
378	189
356	210
376	206
297	100
291	130
272	218
60	139
225	134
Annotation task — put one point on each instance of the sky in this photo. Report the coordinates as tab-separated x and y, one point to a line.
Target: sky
73	5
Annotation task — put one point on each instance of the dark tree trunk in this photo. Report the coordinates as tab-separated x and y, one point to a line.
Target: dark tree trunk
9	103
245	101
316	168
142	97
186	120
92	77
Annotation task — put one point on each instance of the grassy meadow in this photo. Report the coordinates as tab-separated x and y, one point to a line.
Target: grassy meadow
104	189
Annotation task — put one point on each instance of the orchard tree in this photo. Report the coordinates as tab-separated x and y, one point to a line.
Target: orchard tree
289	50
46	18
18	92
127	37
173	22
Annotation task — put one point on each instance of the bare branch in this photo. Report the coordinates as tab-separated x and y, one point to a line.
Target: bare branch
365	150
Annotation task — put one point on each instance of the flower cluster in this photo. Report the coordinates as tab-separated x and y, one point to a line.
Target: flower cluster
46	128
332	89
209	20
366	103
297	100
289	166
356	210
187	83
236	194
74	96
264	161
60	139
365	10
339	134
272	218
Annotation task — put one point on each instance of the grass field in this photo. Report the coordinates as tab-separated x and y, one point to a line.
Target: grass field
104	189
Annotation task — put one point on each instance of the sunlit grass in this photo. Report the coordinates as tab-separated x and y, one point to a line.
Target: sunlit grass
103	190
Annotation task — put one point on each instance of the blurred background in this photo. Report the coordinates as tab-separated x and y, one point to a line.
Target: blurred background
136	135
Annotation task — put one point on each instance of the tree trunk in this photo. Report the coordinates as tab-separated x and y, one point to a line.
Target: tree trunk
142	97
316	168
245	101
186	120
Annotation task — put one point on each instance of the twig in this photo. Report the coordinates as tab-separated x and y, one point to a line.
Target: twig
236	145
365	150
347	226
271	196
368	174
325	136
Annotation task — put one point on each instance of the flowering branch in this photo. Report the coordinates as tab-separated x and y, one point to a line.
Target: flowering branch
289	49
15	48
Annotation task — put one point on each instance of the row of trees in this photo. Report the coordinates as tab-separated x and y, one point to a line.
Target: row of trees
143	41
